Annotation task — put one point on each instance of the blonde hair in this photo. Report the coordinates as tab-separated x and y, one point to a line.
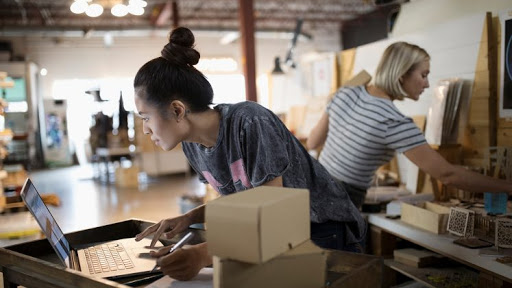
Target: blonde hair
397	60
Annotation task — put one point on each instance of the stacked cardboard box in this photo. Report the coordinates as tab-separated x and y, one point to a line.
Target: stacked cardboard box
260	238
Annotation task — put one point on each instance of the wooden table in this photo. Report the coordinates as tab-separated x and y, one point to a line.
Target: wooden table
489	269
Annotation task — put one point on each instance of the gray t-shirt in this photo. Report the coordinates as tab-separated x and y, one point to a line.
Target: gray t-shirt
254	147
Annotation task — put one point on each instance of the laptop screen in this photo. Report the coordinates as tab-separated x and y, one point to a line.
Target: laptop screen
46	221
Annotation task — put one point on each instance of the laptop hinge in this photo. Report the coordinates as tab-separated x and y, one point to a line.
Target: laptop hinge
75	264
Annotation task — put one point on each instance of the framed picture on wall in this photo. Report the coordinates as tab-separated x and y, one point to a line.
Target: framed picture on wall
506	65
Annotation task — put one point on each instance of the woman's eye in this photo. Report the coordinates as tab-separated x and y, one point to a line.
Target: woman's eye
145	119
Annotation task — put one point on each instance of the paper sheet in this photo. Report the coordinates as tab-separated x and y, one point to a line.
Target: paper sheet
203	280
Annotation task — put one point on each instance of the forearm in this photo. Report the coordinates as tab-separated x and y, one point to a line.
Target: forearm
316	139
475	182
318	135
435	165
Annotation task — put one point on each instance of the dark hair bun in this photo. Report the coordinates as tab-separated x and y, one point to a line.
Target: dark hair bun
180	49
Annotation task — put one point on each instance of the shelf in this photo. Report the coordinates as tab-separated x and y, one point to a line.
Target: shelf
452	275
443	245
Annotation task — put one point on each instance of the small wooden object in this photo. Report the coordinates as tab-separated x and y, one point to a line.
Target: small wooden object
504	233
461	222
416	258
429	216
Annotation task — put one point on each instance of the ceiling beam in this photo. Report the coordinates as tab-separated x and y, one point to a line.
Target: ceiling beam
163	14
175	15
246	14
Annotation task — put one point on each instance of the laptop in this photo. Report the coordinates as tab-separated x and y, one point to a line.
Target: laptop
112	259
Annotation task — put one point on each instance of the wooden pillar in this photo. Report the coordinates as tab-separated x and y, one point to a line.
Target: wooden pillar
175	15
246	16
492	65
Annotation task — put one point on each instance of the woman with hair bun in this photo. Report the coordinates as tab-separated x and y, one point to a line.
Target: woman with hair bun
362	129
233	147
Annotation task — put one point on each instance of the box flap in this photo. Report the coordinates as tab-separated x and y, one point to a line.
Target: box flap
258	224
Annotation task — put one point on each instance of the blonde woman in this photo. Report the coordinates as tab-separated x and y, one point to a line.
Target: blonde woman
361	129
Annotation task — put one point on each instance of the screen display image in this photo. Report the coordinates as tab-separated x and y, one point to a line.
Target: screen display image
505	78
46	220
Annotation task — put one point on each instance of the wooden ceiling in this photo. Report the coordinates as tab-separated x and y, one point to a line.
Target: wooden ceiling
26	16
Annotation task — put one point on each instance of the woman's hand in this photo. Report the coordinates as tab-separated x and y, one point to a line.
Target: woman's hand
168	228
184	263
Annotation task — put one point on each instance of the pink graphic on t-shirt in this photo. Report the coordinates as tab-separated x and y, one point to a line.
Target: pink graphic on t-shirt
238	173
209	177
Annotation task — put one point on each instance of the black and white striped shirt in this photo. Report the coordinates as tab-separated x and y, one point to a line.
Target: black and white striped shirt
364	133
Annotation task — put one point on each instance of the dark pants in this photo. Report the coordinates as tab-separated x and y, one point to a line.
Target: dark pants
332	235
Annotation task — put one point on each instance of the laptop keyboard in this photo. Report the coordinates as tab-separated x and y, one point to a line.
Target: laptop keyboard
107	257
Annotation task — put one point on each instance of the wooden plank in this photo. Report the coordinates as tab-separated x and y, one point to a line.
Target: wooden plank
479	93
347	58
475	139
504	137
505	123
481	80
417	257
483	105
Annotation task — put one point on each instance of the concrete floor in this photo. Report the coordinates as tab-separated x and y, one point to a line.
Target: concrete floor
86	202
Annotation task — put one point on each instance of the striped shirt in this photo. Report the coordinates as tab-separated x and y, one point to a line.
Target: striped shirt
364	133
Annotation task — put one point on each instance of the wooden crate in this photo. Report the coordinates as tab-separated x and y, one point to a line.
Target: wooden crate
429	216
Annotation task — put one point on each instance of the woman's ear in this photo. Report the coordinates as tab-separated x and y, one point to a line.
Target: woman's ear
178	110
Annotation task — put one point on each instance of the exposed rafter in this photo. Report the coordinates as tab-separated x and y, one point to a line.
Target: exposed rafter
269	15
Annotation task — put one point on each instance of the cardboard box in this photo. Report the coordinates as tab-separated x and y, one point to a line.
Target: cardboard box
303	266
429	216
258	224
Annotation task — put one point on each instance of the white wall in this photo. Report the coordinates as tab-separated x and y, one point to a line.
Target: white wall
78	57
450	31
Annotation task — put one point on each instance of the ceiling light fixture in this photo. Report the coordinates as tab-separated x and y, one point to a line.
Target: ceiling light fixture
134	7
119	10
79	7
94	10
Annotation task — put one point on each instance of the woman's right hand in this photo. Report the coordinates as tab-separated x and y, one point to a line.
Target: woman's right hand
184	263
168	228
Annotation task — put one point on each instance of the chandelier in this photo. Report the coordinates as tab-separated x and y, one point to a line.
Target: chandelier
91	9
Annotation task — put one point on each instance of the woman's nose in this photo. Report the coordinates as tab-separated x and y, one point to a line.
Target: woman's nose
146	130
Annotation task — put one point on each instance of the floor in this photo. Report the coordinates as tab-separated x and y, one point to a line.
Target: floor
86	202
